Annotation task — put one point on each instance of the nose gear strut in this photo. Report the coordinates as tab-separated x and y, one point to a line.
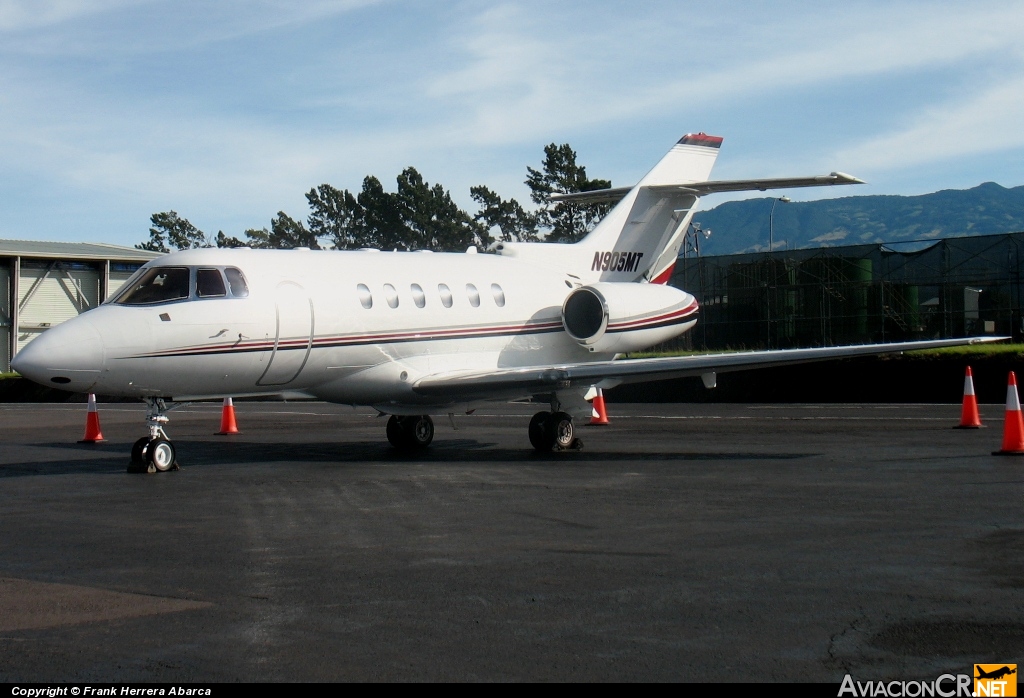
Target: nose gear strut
155	452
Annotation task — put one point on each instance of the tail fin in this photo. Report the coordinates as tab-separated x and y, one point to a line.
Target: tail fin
640	238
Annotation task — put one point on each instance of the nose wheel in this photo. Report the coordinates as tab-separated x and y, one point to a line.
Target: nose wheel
410	433
553	431
154	453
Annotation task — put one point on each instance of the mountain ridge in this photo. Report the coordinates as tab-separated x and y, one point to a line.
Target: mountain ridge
742	226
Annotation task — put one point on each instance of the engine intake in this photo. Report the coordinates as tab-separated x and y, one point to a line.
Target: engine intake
618	317
585	314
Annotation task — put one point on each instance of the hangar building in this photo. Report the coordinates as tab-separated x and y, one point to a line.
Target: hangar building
45	283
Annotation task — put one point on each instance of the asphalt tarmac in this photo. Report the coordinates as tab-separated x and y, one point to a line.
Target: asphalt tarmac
685	542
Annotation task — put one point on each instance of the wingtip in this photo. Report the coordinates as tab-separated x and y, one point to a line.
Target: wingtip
844	178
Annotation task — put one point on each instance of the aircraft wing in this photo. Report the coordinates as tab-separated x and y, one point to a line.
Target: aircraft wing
532	380
714	187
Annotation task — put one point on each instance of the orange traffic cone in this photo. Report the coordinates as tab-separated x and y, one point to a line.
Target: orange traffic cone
1013	427
92	424
599	414
969	417
227	419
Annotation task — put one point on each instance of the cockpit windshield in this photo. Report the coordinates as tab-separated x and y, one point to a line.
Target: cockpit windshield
157	285
149	286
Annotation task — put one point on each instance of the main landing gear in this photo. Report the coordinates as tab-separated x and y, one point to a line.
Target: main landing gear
155	452
549	431
410	433
553	431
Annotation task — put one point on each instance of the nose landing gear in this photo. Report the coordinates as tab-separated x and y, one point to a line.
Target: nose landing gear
154	453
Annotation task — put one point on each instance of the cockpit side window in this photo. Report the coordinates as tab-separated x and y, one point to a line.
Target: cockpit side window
239	289
210	284
158	285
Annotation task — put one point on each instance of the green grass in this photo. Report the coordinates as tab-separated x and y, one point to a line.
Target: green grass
980	350
995	350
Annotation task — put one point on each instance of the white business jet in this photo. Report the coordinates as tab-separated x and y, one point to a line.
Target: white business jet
414	334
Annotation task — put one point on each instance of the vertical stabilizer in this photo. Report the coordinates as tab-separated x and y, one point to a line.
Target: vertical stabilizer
640	238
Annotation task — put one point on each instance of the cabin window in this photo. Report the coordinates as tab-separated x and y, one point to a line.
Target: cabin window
474	295
418	296
499	295
158	285
391	294
210	284
446	295
236	281
365	297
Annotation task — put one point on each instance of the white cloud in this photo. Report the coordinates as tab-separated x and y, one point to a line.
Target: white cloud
465	93
17	15
980	122
524	74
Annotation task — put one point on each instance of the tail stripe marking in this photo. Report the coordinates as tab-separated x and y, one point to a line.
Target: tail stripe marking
701	139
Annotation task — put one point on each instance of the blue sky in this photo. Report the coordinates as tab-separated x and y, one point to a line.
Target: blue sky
226	112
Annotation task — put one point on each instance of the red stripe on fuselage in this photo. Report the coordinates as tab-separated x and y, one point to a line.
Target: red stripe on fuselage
657	319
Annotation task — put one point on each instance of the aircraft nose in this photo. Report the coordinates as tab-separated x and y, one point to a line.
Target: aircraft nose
68	356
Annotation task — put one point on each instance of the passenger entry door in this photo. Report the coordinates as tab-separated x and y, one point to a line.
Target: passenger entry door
294	338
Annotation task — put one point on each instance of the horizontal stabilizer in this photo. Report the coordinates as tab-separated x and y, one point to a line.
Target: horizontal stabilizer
715	187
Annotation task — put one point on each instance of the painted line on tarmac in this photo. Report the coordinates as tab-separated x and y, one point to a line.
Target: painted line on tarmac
784	419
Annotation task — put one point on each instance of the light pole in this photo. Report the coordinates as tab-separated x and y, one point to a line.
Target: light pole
771	266
771	220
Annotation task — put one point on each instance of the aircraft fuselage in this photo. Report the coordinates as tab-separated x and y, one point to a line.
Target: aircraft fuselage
350	327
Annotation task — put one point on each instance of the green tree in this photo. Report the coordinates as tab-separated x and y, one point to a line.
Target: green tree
560	174
223	240
418	216
432	219
332	216
378	224
513	222
168	228
285	233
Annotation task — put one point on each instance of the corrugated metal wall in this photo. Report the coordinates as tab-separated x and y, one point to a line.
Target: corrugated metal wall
116	280
50	294
5	316
51	291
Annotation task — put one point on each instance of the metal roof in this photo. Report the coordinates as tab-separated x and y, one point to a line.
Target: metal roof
73	250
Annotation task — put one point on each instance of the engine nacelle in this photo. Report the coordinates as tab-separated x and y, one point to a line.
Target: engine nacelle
618	317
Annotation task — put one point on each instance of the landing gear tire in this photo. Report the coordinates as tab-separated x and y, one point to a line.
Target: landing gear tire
539	432
419	431
396	436
139	464
161	454
561	430
154	453
553	432
410	433
139	451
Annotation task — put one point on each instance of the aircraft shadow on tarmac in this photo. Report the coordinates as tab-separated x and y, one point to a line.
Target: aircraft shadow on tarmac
196	453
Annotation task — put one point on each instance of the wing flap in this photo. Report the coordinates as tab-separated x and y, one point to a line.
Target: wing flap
532	380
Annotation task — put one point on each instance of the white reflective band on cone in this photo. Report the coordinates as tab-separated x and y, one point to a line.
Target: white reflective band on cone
1012	401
